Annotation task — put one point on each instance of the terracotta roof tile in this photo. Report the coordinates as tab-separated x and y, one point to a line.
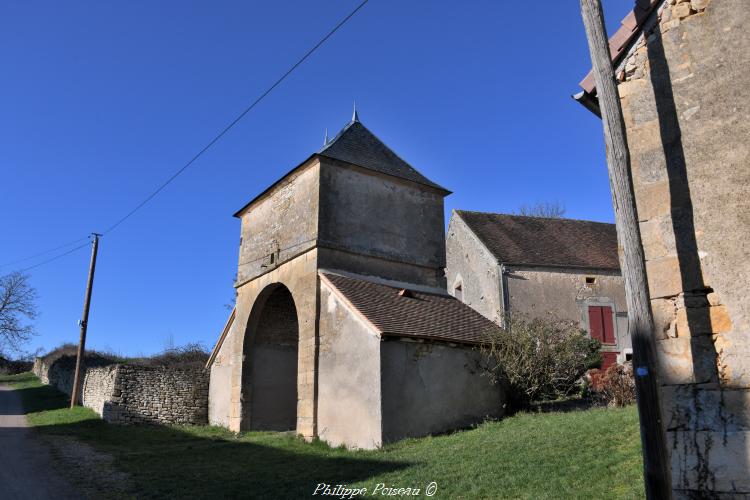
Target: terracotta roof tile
629	28
517	239
415	315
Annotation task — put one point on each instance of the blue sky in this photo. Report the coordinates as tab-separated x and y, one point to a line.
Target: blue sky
100	102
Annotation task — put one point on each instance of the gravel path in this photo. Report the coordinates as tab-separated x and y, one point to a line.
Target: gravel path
26	470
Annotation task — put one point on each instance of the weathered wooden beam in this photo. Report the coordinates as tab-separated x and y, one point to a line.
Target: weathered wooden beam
81	353
640	322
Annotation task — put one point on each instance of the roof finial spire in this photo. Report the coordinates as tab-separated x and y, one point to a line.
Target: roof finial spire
355	116
325	139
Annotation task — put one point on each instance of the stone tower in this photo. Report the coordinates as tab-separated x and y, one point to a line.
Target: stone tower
352	207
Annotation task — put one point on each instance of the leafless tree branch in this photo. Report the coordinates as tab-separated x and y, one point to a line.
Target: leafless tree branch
549	209
17	308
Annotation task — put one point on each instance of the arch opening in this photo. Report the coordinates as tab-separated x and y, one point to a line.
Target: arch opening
269	384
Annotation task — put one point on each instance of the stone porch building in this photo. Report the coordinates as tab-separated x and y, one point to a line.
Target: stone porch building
683	69
343	328
499	263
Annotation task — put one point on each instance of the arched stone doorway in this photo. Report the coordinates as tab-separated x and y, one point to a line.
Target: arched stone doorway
269	371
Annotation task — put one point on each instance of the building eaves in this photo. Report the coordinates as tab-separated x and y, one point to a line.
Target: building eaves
407	313
630	27
357	146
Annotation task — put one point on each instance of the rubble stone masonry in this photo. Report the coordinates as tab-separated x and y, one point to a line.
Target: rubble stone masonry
684	94
126	394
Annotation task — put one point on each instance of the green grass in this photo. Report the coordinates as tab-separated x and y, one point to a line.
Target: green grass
583	454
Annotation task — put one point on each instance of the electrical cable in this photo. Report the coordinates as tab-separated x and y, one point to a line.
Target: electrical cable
237	119
197	155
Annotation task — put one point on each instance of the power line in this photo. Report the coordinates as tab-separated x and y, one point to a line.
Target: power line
237	119
44	252
197	155
55	257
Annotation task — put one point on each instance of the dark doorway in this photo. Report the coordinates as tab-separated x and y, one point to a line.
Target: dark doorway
270	365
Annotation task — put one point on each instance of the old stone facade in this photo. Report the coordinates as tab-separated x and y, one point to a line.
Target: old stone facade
539	267
125	394
683	90
301	354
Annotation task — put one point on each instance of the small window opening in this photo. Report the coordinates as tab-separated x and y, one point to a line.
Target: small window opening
458	292
590	280
628	356
273	258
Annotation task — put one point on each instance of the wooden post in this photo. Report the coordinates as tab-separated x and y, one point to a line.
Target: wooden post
84	321
640	322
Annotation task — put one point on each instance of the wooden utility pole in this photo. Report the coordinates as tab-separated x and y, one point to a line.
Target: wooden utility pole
640	322
84	321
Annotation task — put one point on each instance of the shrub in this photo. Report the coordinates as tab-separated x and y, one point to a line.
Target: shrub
66	354
616	386
189	355
540	358
14	367
186	356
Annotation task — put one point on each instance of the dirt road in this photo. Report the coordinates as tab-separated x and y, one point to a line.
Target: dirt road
26	470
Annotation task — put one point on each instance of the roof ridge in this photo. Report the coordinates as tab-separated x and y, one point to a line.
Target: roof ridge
460	211
396	285
338	136
381	165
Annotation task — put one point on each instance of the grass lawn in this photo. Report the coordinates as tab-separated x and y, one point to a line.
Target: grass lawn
581	454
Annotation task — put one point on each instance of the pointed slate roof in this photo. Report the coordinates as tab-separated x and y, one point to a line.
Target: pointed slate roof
541	241
355	144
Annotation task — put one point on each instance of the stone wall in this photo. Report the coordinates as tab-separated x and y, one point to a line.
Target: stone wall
394	221
164	395
349	391
131	393
280	224
432	388
230	400
98	386
472	267
683	89
537	291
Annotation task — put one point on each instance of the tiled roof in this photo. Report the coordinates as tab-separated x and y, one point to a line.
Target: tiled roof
419	315
630	27
517	239
357	145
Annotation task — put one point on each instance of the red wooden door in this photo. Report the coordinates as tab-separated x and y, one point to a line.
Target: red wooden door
601	326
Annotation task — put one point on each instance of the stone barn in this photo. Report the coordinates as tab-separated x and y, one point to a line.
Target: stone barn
536	266
343	328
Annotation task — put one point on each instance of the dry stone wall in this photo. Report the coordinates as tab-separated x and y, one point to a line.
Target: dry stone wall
158	395
126	394
98	384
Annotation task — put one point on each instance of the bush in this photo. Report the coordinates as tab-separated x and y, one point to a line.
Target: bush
615	387
14	367
188	355
540	358
65	355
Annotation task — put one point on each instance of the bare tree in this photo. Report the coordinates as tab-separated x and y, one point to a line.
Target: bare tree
17	306
549	209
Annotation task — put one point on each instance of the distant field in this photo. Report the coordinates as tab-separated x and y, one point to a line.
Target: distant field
581	454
